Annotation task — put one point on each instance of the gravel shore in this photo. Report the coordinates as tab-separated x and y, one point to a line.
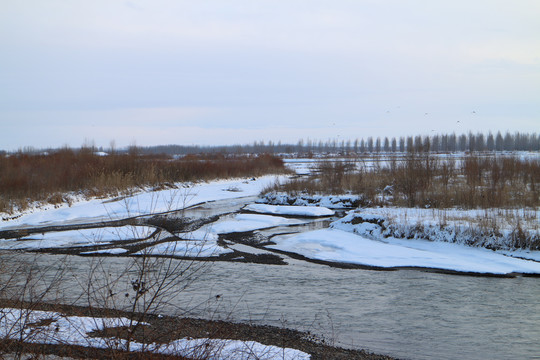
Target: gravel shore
163	329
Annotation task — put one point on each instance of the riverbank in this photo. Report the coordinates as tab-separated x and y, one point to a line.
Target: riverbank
162	329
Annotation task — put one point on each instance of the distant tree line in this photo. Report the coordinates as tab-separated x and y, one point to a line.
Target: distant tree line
446	143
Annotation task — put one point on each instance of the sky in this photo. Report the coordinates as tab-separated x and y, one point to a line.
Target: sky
215	72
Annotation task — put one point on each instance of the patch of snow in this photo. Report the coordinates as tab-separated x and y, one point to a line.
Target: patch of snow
249	249
47	327
249	222
310	211
185	248
340	246
199	234
113	251
230	349
84	237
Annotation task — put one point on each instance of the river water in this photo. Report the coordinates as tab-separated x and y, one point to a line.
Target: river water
408	314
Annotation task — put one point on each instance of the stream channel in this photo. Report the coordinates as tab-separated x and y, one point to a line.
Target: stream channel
408	314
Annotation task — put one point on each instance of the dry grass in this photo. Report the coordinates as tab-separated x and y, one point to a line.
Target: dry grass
422	180
25	178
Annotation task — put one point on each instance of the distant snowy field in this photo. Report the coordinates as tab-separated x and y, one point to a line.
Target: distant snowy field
305	166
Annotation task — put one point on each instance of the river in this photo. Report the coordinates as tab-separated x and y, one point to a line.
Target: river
409	314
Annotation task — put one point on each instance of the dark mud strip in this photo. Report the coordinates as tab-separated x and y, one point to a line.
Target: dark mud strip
162	329
20	233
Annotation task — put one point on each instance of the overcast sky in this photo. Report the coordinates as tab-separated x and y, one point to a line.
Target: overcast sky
205	72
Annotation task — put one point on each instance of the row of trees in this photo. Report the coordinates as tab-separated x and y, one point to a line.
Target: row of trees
434	143
441	143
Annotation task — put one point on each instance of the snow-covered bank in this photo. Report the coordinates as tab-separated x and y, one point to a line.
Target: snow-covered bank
381	237
48	327
143	203
494	229
84	237
340	246
394	238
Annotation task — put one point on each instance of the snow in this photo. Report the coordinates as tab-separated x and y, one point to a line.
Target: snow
185	248
199	234
328	201
490	228
232	349
340	246
249	249
148	202
84	237
301	166
309	211
113	251
47	327
249	222
203	242
61	330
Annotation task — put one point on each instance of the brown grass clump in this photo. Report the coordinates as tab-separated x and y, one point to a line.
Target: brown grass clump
25	178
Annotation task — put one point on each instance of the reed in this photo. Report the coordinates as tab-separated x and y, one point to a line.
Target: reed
25	178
